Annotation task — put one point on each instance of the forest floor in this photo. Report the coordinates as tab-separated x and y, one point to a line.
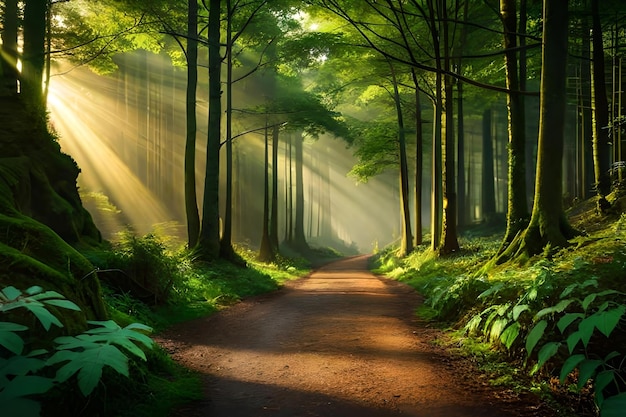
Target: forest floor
340	342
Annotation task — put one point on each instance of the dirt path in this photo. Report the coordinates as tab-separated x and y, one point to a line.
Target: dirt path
341	343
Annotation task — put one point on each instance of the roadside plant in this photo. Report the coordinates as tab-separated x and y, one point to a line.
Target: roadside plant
581	322
25	374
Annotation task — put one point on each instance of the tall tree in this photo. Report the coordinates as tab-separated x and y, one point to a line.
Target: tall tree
449	241
209	238
600	110
406	243
517	211
33	56
9	53
191	200
548	227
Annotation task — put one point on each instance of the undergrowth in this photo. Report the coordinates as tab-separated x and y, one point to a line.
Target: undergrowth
152	279
558	322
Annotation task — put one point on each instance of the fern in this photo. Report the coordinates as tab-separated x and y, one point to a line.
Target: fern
84	355
87	354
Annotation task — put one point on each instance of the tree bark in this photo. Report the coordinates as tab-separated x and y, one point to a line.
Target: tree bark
266	253
299	238
9	54
209	239
601	146
548	227
191	199
419	161
406	243
488	193
33	57
436	177
273	232
226	244
517	212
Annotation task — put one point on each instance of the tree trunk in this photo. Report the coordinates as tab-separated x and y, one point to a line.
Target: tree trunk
585	141
209	240
488	193
273	232
436	177
601	146
462	217
517	211
191	200
8	57
419	161
266	253
226	244
548	225
406	243
299	239
449	241
33	57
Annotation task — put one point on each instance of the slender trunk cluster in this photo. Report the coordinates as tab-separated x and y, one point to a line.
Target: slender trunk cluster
517	211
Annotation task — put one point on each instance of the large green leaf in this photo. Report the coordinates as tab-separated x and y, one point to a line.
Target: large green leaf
11	293
496	329
587	369
491	290
11	341
608	320
534	335
510	334
569	365
113	333
559	308
614	406
67	304
568	319
21	365
585	329
572	341
602	380
88	364
519	309
546	352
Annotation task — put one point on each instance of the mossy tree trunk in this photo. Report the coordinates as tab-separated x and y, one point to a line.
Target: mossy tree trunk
33	57
548	227
517	210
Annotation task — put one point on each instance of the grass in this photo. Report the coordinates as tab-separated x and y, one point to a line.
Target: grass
477	307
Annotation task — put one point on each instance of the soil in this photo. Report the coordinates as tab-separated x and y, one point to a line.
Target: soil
341	342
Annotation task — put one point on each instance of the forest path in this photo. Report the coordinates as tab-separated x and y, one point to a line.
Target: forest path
341	342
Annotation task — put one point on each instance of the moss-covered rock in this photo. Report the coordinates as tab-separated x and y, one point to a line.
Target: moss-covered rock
42	219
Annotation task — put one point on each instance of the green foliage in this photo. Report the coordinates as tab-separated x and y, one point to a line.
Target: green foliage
579	322
24	375
566	314
143	266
